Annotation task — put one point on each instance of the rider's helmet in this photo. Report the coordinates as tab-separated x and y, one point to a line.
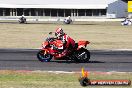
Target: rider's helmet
22	15
59	32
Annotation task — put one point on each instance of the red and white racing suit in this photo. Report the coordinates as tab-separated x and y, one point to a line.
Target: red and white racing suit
68	43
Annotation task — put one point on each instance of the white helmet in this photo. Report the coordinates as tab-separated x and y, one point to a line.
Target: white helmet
59	32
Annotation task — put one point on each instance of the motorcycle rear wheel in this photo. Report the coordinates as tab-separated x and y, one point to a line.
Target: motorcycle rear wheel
44	57
83	55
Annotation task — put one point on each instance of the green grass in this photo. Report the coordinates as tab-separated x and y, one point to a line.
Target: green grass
15	79
102	35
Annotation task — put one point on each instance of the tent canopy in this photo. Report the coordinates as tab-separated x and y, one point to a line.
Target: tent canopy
67	4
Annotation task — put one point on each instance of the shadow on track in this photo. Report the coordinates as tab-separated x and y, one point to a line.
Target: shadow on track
68	62
64	61
52	61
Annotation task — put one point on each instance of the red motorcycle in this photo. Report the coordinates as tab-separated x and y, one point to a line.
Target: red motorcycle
52	49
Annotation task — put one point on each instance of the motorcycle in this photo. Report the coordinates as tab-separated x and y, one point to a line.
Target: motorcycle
51	49
22	20
67	21
126	22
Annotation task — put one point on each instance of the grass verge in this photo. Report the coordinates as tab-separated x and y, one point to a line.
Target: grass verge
22	79
102	35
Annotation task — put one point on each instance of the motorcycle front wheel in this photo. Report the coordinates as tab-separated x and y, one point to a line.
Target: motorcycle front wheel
44	57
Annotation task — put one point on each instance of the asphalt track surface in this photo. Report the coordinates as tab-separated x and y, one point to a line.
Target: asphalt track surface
25	59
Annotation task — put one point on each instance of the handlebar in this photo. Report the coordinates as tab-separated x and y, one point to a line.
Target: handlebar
50	39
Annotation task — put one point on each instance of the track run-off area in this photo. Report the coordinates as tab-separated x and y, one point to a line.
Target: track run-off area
101	60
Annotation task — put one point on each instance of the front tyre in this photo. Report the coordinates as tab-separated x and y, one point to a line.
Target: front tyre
44	57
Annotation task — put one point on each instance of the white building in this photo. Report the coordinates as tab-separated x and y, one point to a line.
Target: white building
63	8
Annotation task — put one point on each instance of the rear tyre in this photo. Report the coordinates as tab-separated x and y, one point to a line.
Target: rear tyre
82	55
44	57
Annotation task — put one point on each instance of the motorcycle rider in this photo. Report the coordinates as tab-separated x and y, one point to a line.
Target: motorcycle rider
22	19
68	42
68	20
127	21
